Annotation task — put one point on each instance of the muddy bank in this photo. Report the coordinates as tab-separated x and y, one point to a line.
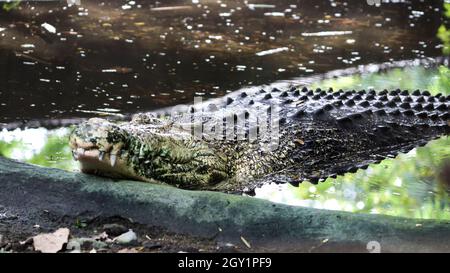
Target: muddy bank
51	198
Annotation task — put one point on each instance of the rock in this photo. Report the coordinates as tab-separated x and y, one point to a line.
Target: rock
51	242
126	238
114	229
91	243
102	237
74	245
85	243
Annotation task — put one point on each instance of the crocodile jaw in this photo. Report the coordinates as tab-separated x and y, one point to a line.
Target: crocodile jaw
94	161
106	159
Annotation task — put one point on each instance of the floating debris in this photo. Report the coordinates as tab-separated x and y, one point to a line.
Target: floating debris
109	110
100	113
49	27
275	14
119	70
215	37
327	33
272	51
171	8
260	6
27	46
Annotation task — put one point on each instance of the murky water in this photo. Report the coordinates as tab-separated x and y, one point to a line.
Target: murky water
415	184
119	57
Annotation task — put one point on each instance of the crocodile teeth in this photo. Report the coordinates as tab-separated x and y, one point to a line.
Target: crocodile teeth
113	159
101	155
81	151
75	155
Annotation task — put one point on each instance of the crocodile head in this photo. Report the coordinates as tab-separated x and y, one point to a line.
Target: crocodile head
97	144
146	149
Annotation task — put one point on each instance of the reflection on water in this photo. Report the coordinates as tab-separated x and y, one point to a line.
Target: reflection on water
121	56
411	185
39	146
410	78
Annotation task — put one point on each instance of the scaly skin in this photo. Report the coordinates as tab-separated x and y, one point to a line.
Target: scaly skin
320	134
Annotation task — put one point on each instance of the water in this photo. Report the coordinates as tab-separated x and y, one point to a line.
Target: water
415	184
119	57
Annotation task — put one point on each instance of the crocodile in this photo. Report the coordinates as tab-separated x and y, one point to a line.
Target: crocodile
241	141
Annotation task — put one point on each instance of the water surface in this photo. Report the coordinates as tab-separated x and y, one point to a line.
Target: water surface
119	57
